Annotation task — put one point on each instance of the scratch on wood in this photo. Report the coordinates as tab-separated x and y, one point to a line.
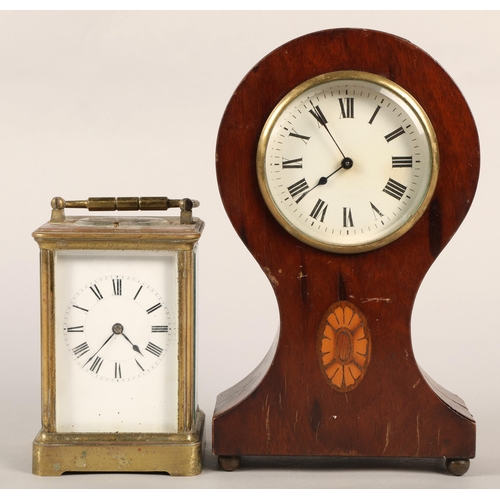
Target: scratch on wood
388	430
268	431
417	382
418	433
274	282
266	404
316	418
376	299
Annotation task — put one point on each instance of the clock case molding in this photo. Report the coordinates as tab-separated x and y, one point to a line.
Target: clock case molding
285	406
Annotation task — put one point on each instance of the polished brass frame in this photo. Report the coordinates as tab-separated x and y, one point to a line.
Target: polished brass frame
276	114
177	453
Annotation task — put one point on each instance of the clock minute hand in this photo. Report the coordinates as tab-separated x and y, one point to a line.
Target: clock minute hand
320	117
95	353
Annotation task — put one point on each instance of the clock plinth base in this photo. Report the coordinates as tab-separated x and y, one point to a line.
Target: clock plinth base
455	466
254	418
176	454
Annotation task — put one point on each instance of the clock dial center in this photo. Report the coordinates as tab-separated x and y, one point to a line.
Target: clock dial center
347	163
117	328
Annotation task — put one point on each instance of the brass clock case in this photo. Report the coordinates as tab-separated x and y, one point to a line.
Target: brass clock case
178	453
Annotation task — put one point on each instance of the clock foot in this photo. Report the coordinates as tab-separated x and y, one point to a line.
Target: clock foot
457	466
229	463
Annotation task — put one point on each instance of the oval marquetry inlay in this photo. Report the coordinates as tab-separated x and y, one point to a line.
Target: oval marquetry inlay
344	346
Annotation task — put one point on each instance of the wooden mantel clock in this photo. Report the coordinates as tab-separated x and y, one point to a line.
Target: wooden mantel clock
346	161
118	340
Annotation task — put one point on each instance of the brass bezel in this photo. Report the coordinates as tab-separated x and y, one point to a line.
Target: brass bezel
276	114
178	453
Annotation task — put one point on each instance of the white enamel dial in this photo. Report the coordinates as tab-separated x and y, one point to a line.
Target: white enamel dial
117	328
117	347
347	162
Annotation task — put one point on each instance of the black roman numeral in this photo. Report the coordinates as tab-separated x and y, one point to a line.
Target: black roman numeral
139	365
402	161
347	217
346	107
154	349
81	349
81	308
376	211
318	114
75	329
395	189
118	370
96	365
370	121
159	329
96	291
296	163
297	189
154	308
304	138
396	133
117	286
319	210
138	292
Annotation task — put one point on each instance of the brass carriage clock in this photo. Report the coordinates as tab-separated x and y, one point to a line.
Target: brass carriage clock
358	160
118	340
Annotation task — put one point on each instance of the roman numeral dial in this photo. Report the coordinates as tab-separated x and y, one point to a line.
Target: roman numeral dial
346	107
298	189
117	328
346	160
395	189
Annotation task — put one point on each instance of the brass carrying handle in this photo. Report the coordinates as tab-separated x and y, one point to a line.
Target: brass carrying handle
113	204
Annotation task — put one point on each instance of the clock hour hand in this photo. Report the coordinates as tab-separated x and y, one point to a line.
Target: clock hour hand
134	346
118	329
347	163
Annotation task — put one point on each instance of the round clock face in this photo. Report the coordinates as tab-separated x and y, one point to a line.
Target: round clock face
347	162
117	328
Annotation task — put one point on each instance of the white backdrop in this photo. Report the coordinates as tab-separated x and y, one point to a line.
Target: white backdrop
129	104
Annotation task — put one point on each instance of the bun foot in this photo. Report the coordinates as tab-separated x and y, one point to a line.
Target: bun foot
229	463
457	466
